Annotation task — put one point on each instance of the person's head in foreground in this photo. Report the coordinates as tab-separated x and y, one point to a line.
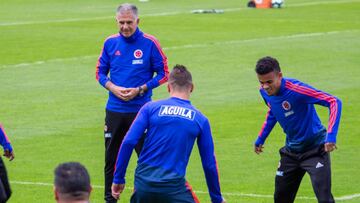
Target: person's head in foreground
71	183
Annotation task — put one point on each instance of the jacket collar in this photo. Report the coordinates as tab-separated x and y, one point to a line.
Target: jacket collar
133	37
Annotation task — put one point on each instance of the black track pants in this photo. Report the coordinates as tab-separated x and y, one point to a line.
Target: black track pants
292	168
116	127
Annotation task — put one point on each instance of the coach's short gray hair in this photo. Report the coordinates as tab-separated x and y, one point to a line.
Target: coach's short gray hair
127	7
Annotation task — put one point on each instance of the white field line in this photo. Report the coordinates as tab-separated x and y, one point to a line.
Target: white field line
162	14
191	46
342	198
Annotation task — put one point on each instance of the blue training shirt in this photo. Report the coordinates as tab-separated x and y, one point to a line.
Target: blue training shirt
172	127
131	62
4	140
293	107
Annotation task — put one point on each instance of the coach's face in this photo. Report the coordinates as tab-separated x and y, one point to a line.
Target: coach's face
270	82
127	23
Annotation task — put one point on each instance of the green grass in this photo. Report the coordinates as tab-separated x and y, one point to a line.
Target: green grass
53	109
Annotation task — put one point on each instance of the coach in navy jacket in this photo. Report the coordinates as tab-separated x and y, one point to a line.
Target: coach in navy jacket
308	142
126	67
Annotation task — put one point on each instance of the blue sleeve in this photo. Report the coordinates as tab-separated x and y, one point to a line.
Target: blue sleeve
4	140
311	95
267	126
132	137
103	67
206	149
159	65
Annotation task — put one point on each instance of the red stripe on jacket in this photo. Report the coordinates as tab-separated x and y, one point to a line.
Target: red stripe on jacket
102	50
318	95
166	69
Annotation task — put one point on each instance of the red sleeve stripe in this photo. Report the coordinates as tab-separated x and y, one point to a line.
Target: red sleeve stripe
319	95
98	64
6	137
265	123
166	69
113	36
98	61
217	168
188	186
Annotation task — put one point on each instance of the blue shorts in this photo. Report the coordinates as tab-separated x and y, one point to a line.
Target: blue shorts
188	196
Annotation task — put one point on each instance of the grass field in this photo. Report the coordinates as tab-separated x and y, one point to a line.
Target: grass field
53	108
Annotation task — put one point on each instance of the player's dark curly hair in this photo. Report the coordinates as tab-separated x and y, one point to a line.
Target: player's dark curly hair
266	65
180	77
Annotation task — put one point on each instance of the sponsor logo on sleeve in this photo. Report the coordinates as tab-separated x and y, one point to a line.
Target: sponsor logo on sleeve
177	111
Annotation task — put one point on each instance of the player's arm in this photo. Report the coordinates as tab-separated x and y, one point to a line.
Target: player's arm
266	128
132	137
102	72
311	95
5	143
206	149
103	67
159	64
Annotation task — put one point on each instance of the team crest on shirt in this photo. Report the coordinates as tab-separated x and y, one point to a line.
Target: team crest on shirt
177	111
138	53
286	105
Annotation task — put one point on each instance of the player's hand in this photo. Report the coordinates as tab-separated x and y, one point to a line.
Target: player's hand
330	146
9	155
130	93
116	189
223	201
258	149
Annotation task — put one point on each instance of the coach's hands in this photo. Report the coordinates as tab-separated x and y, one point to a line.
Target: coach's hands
9	155
130	93
116	189
258	149
123	93
330	146
118	91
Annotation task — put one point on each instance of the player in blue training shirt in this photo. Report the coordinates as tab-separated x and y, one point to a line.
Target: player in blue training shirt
5	191
308	143
130	65
172	127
